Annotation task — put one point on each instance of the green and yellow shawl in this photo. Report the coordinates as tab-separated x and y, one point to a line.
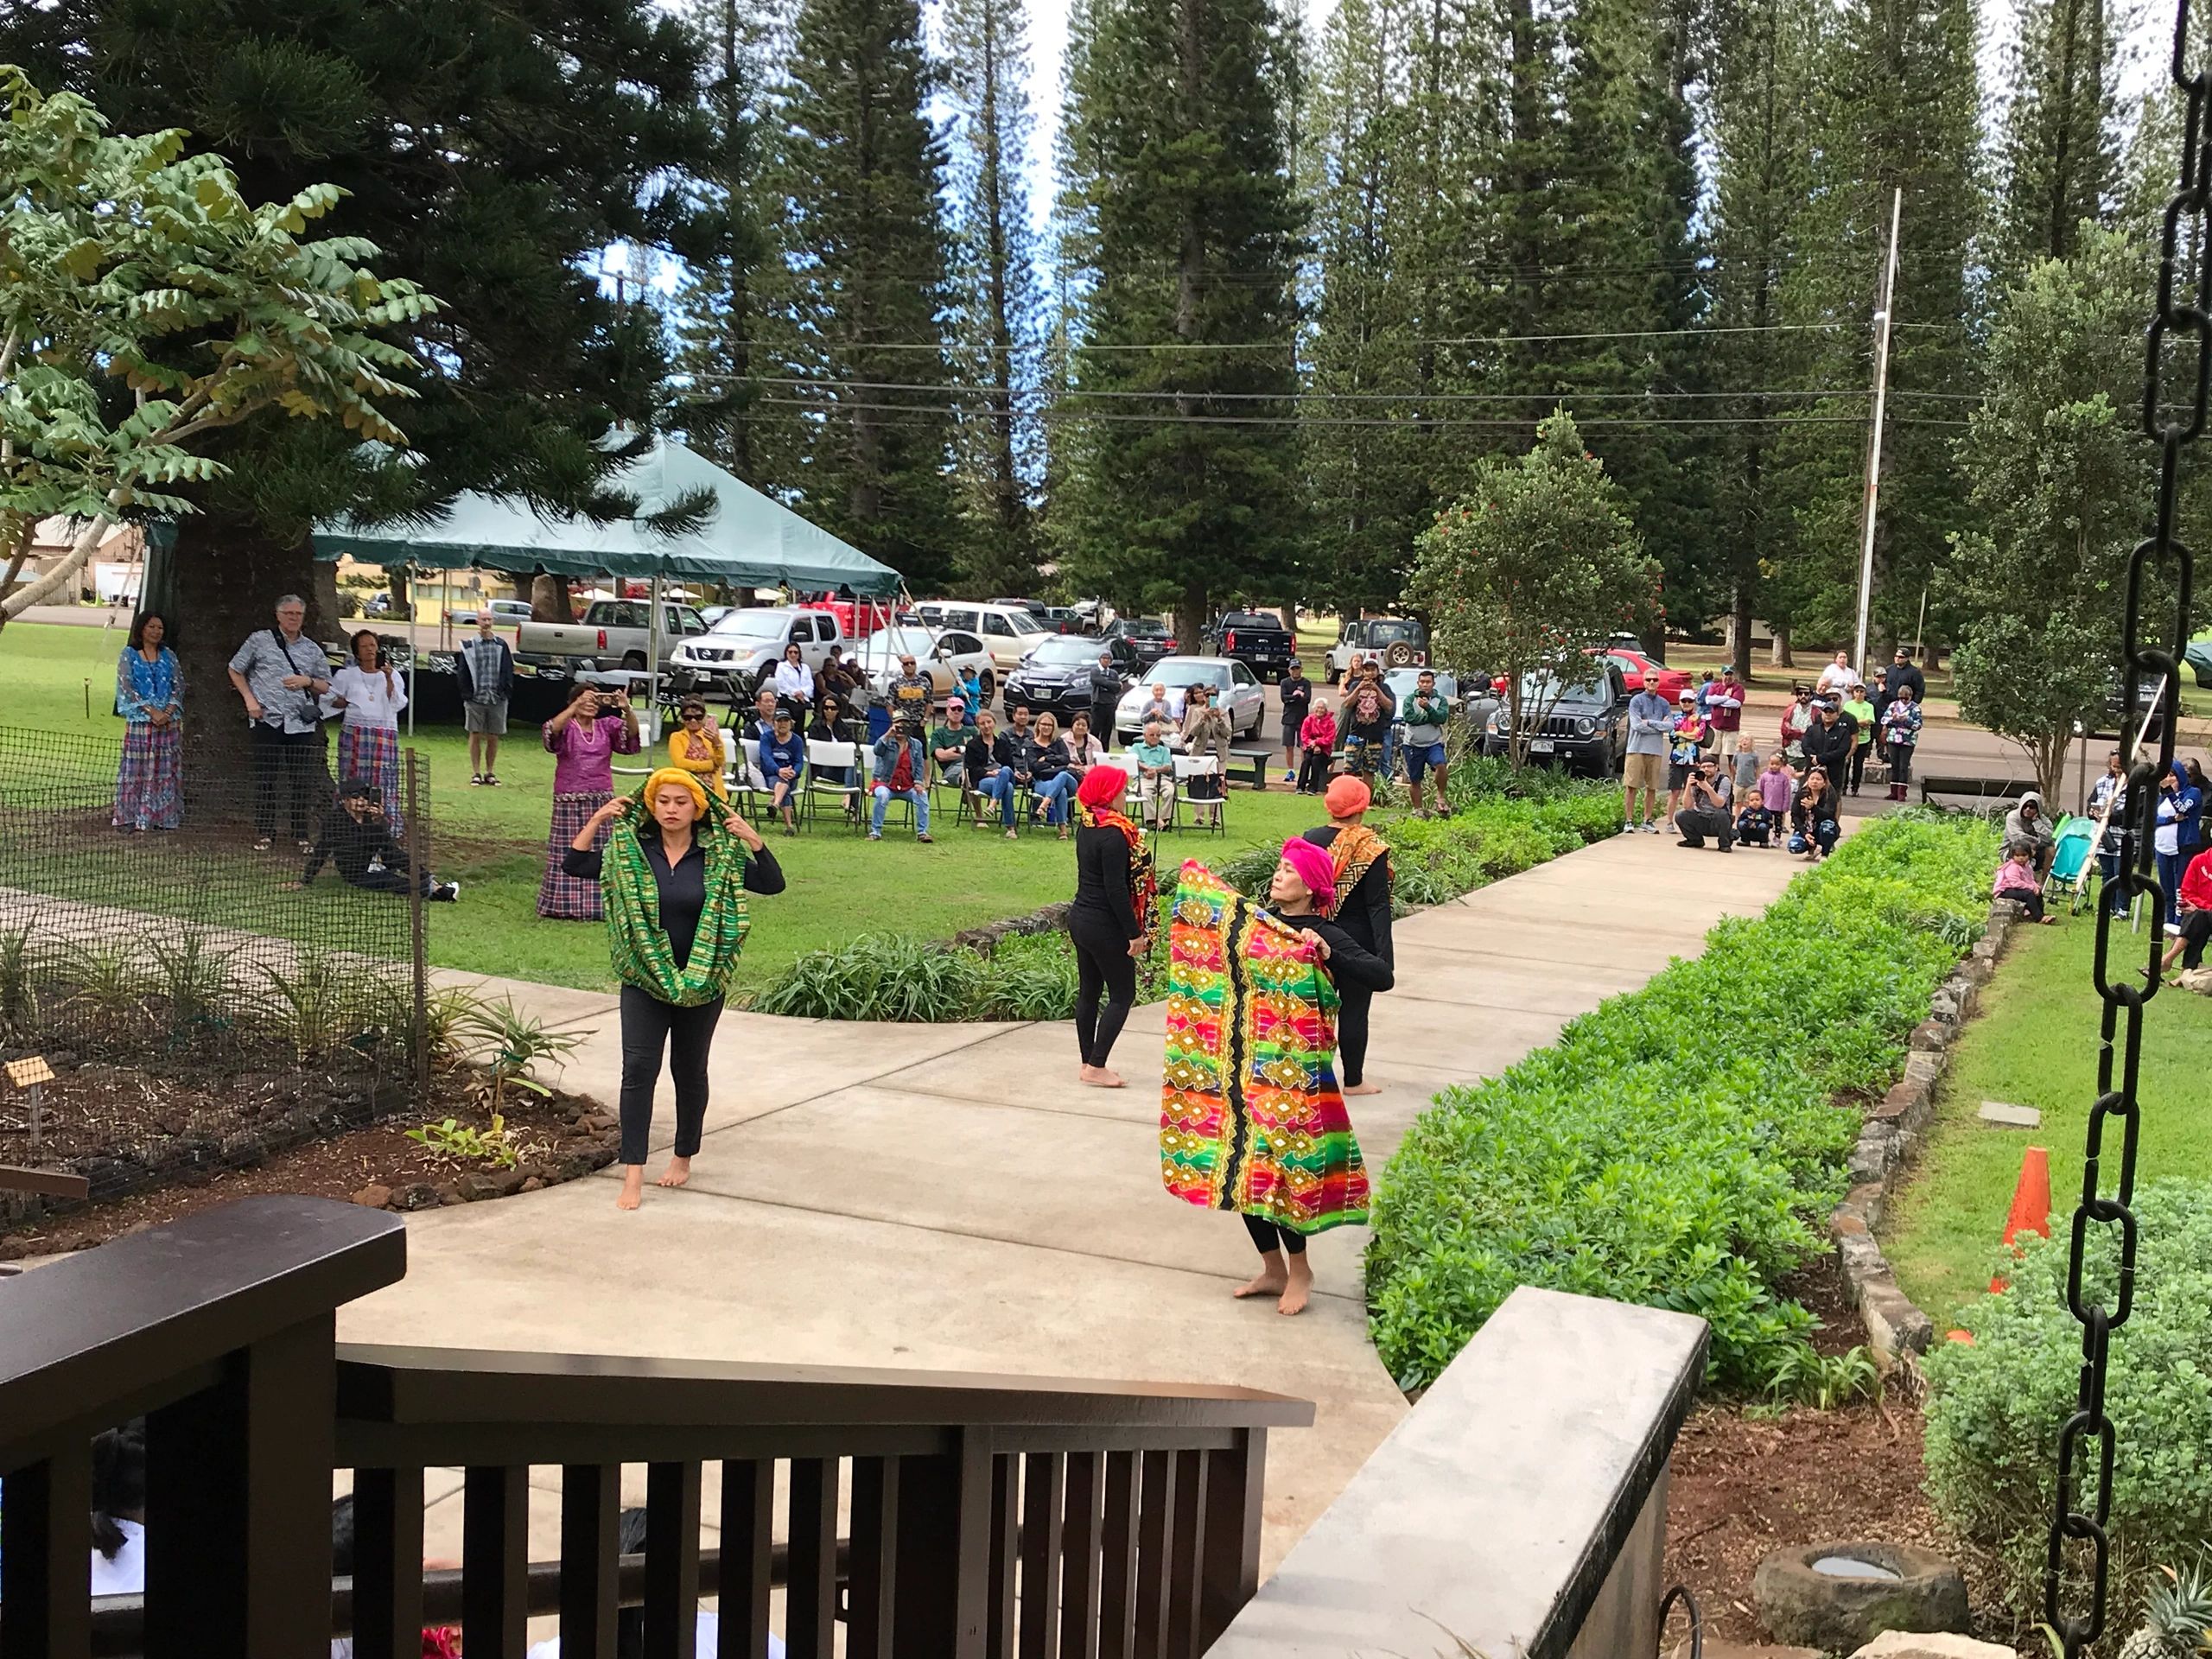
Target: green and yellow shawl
640	950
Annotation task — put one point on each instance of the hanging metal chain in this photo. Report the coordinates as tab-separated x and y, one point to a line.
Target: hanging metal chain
2184	288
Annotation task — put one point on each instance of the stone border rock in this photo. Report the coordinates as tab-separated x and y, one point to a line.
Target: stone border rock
1889	1139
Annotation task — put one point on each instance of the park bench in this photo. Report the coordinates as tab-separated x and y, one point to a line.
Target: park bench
1981	789
1256	756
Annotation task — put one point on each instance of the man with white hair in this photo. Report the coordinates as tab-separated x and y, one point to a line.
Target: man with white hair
281	675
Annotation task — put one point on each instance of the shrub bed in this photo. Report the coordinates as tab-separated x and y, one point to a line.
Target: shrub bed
1676	1144
898	976
1995	1406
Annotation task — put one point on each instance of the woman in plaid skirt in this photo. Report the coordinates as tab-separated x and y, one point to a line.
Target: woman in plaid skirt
150	696
584	738
371	695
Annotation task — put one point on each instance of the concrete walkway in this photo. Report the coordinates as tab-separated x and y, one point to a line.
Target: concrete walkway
948	1197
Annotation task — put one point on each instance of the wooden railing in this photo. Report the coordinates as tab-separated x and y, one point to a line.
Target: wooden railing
987	1515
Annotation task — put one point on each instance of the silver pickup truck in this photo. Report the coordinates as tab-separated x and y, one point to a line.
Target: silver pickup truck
612	632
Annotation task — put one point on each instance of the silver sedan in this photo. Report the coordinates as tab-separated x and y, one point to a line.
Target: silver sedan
1235	689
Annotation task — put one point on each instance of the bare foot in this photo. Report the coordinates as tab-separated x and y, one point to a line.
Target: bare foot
1099	1077
633	1188
677	1172
1270	1282
1300	1288
1362	1088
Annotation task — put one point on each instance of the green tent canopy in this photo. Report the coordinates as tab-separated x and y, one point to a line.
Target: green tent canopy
749	541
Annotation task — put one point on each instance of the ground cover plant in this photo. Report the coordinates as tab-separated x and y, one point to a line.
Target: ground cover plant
1677	1145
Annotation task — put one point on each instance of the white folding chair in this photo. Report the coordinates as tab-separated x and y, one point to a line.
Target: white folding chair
1188	767
833	752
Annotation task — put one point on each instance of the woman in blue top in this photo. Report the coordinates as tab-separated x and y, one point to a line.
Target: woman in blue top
2180	803
150	696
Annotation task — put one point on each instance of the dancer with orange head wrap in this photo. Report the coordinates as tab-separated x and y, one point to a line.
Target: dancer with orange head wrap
1364	878
1111	920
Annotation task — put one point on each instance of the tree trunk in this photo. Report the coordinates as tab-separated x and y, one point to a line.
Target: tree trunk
1192	622
548	600
402	599
1781	658
1740	626
325	619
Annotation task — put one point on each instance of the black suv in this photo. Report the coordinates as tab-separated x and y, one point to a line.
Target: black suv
1055	674
1148	636
1584	727
1254	638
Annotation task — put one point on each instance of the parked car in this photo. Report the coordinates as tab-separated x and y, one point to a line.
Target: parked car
1006	629
940	653
504	610
1256	639
1637	671
1056	674
711	614
1236	690
1583	727
1396	641
748	643
1147	636
612	633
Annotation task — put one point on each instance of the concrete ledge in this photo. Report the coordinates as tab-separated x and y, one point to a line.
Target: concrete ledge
1518	1508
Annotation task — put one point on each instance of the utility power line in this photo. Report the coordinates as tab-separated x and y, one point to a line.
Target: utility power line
1165	418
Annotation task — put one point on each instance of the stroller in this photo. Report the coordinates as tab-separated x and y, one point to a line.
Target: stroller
2073	866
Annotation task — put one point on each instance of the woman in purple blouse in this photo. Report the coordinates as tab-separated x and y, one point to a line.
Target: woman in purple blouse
583	738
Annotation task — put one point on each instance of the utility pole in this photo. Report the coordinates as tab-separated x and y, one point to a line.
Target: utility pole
1874	450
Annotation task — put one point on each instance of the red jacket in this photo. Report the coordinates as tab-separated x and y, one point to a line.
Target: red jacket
2196	882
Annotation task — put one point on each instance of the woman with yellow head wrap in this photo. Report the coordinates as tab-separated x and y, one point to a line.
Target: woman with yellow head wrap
672	879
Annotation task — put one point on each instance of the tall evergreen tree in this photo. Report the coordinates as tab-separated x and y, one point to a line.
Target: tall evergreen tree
861	174
488	150
1183	483
997	342
2059	155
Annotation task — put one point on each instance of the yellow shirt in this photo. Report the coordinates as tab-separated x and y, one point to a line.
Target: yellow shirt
700	752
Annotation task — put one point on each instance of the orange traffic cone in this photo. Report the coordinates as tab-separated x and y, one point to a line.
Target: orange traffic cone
2030	1210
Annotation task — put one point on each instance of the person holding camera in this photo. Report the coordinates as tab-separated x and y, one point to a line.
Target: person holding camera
281	675
1708	809
370	693
584	738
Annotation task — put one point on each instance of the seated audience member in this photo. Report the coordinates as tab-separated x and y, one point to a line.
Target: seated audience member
696	746
900	768
948	744
782	760
2196	901
358	841
1705	808
760	727
990	766
1155	765
1085	750
1049	779
1317	743
829	727
1162	706
2017	879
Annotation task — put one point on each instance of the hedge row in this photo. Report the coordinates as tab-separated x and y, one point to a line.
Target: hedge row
1676	1145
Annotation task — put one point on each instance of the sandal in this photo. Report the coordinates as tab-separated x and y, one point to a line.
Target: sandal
261	845
475	778
492	779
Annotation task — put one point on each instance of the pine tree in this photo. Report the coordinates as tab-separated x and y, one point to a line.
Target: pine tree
861	172
1184	482
2059	153
997	345
487	150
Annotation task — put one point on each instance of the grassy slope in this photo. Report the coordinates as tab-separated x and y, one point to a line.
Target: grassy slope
493	841
2034	1043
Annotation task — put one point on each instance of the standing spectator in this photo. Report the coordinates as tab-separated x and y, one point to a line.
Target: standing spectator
1796	720
1900	674
1361	905
583	739
989	760
1778	793
1723	714
696	747
370	696
783	761
2027	824
1427	714
1105	696
1830	741
1709	809
1705	683
794	682
1110	921
909	694
2179	806
1050	780
281	676
1369	710
1296	692
1685	741
486	668
948	744
1901	730
1860	713
1206	733
1317	737
901	767
2192	841
1650	727
1747	768
971	689
150	696
1835	679
2108	803
1155	765
1813	827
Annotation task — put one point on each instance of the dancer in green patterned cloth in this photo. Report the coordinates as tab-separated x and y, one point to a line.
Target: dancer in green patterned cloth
672	879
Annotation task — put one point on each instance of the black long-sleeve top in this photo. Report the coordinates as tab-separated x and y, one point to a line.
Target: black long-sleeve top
982	758
1102	876
1365	912
682	887
353	845
1052	760
1350	963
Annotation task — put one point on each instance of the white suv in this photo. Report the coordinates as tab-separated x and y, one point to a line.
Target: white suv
1007	631
748	643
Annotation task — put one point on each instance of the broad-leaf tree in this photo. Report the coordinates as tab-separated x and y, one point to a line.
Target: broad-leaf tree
145	304
1538	563
2060	477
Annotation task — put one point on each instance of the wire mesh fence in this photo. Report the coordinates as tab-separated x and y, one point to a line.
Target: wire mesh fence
216	965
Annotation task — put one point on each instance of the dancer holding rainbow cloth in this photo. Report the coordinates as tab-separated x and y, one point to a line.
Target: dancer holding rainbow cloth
1251	1118
672	879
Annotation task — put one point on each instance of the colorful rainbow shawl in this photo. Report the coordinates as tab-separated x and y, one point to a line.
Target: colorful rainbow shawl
1251	1118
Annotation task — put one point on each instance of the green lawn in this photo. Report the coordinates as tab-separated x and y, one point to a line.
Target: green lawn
2034	1043
494	841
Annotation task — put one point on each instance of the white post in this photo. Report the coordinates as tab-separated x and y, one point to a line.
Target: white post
412	648
1881	404
653	660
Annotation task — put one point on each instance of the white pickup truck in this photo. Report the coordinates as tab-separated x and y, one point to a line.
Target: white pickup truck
746	644
612	632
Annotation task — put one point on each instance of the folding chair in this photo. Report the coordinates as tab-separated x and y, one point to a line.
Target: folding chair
1132	800
1206	814
831	751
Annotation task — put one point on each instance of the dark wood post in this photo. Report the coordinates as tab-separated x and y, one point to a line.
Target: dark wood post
417	924
495	1560
1230	1537
387	1563
943	1566
46	1538
591	1495
672	1560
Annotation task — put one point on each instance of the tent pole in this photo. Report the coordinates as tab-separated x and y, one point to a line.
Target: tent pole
411	654
652	657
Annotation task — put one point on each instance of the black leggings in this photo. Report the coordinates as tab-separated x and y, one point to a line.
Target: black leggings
1313	772
1268	1238
1859	764
1353	1002
1900	764
1102	962
650	1024
2196	929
